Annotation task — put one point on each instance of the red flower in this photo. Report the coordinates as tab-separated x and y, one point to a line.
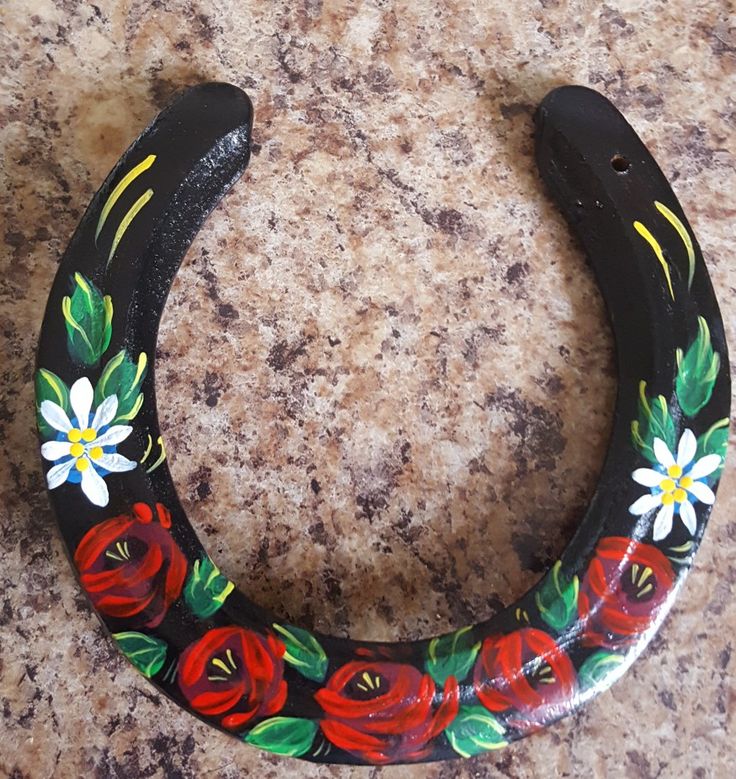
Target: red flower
625	586
526	671
382	712
233	672
131	567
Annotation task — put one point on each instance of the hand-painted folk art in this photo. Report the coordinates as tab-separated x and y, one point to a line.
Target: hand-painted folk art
282	688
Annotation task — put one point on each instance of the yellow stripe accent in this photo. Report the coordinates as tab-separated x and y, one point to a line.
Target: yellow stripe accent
125	182
51	381
145	455
66	310
657	249
672	218
127	219
161	457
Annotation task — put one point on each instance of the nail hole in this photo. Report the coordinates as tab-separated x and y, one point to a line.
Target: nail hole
619	163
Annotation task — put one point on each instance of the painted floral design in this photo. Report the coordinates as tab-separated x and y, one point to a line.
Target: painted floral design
526	671
131	567
625	586
234	675
676	482
384	712
84	449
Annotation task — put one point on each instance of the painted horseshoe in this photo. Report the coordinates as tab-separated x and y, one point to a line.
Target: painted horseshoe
185	627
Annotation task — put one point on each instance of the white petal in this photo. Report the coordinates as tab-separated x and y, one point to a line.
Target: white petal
687	515
702	492
105	412
705	466
114	435
644	504
55	416
94	487
663	523
115	463
80	396
662	453
55	450
647	477
58	474
686	448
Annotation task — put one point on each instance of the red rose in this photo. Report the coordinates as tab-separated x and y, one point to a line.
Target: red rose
131	567
382	712
528	672
233	672
625	586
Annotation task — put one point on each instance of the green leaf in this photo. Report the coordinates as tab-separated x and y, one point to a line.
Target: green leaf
145	652
714	441
50	387
303	652
290	736
697	372
599	670
88	320
123	377
557	598
475	730
206	588
451	655
654	422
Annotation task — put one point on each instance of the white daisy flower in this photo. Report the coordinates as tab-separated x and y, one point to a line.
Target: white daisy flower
84	450
675	483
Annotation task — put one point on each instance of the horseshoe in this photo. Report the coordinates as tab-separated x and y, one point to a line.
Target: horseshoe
201	642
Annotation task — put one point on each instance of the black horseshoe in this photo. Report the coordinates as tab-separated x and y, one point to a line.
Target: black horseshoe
325	699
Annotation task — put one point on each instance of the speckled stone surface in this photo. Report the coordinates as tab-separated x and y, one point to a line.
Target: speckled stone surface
385	374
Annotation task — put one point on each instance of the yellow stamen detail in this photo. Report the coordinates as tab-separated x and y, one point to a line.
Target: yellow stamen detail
367	679
668	499
230	658
89	434
686	482
74	435
680	495
219	664
76	450
645	590
95	452
667	485
82	464
645	574
362	687
674	471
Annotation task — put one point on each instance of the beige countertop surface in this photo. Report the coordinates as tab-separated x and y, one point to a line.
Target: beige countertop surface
385	374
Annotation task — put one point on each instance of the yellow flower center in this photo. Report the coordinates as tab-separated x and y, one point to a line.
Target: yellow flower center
76	450
88	434
95	452
680	495
686	482
674	486
667	485
74	435
675	471
82	464
667	499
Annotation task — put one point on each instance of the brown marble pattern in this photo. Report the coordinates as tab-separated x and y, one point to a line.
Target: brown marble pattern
385	374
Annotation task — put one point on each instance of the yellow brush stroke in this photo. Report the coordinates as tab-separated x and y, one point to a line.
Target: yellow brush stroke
125	182
657	249
148	450
127	219
684	235
161	457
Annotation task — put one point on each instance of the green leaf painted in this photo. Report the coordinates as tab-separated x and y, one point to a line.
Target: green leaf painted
697	372
654	422
451	655
474	731
557	598
145	652
88	319
290	736
303	652
50	387
599	670
206	588
123	377
714	441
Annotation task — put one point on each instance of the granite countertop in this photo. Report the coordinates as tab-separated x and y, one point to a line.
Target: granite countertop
385	374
